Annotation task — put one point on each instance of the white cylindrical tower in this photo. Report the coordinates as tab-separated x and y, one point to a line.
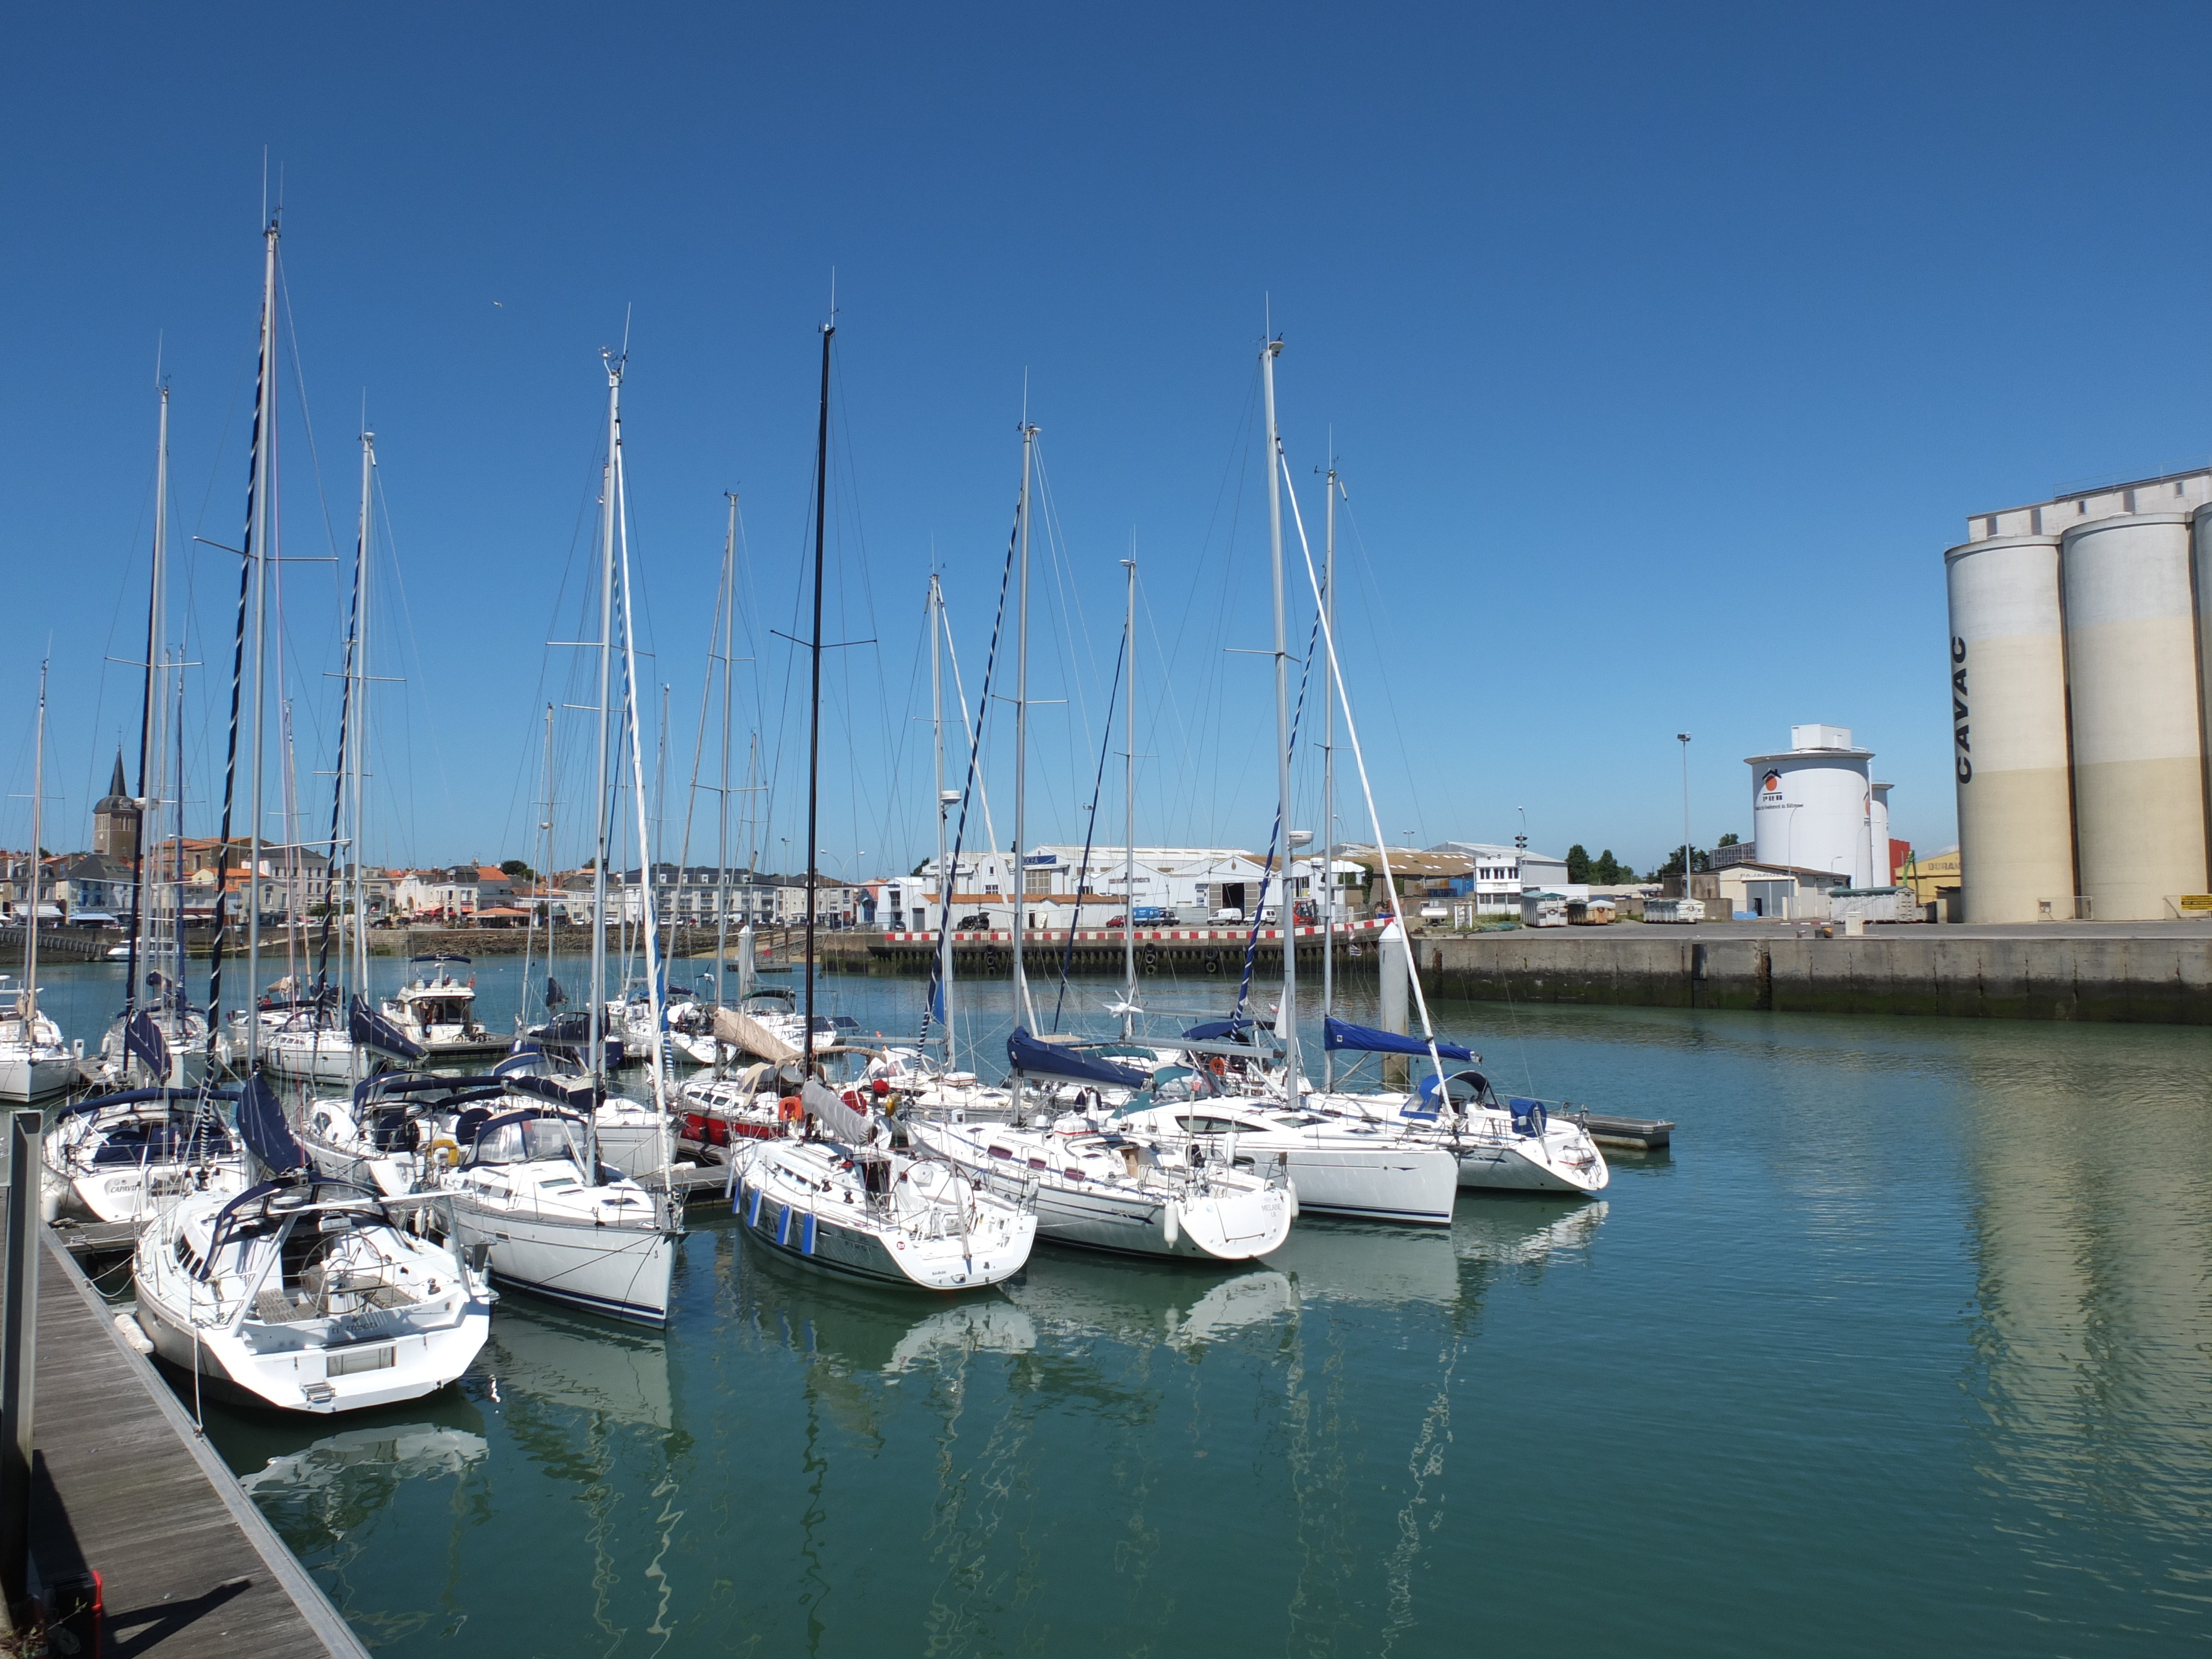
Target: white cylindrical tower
1884	873
2138	746
2009	738
1808	805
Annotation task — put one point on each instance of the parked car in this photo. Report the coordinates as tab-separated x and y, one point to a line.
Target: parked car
1228	913
975	924
1117	922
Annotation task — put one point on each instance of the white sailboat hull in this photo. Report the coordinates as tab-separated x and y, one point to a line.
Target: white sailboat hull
624	1273
301	1380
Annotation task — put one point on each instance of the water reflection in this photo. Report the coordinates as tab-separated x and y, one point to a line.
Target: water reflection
2090	1228
324	1490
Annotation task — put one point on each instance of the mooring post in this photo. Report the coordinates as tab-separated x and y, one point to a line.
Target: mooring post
19	1354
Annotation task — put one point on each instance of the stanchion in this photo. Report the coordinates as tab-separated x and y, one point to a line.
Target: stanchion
19	1354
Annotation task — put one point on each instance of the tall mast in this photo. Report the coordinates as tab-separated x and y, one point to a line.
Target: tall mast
1129	830
30	1009
544	875
722	796
148	782
1328	794
261	550
1286	1018
814	710
944	881
601	826
1024	1015
655	1001
357	746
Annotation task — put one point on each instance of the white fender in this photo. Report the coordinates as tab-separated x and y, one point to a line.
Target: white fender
1171	1223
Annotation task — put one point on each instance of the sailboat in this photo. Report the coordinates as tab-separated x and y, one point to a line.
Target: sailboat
303	1294
530	1183
34	1063
294	1293
854	1202
1105	1189
159	1040
1512	1145
1353	1170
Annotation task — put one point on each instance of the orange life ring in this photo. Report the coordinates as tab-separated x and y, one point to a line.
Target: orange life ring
1219	1065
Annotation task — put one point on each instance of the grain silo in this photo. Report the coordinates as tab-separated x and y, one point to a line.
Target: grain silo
2008	726
1810	804
2131	676
2079	703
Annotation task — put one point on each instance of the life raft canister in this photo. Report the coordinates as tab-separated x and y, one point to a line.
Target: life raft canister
790	1109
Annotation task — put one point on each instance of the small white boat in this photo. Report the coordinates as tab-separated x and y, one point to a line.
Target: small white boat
1514	1145
35	1064
1339	1168
1108	1191
162	1045
553	1222
307	1296
438	1012
866	1211
123	1156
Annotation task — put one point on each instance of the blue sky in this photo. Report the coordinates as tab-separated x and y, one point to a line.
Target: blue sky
1663	352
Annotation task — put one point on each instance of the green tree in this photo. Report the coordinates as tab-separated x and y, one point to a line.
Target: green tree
1578	863
1729	840
1609	870
1699	860
516	870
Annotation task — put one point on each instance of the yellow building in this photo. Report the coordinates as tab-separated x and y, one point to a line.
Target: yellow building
1931	878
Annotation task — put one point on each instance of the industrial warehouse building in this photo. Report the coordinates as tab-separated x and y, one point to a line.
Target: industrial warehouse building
2079	703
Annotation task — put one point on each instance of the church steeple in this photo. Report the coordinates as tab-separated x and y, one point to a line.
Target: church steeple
115	817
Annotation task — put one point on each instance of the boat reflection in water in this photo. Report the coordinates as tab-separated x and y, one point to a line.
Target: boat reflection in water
321	1495
543	1358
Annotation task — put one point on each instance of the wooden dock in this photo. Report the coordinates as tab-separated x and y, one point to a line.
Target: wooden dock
123	1485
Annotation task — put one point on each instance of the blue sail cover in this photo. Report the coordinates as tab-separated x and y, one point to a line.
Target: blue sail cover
373	1031
261	1124
1220	1031
142	1037
1035	1059
1343	1034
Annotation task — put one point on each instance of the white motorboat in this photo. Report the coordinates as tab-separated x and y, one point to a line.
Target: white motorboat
858	1208
1339	1168
554	1223
1117	1192
307	1296
438	1012
121	1157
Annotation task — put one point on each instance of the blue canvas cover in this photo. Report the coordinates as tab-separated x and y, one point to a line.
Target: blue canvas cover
373	1031
1365	1039
1220	1031
262	1125
1035	1059
142	1037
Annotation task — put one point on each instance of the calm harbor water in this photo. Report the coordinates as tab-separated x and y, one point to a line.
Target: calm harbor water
1907	1347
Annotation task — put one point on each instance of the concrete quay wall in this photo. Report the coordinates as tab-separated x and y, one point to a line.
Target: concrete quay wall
2149	978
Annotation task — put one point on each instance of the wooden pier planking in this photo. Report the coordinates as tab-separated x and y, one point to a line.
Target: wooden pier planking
125	1486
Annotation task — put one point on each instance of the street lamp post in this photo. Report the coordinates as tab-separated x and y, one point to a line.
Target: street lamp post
1683	737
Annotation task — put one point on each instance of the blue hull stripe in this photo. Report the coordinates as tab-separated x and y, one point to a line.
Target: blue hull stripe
641	1312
